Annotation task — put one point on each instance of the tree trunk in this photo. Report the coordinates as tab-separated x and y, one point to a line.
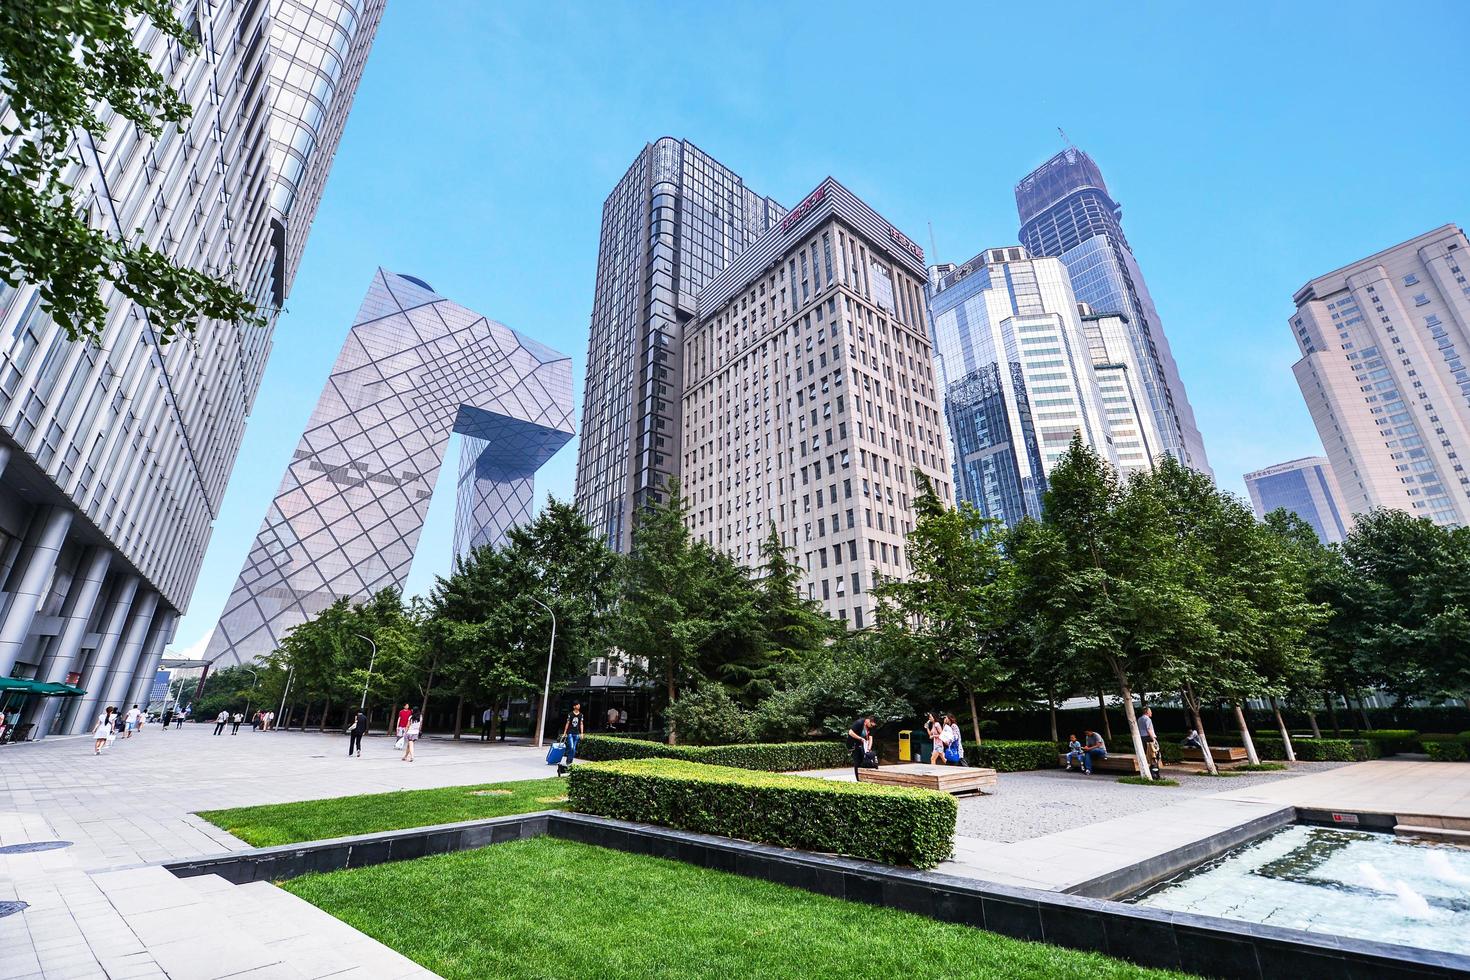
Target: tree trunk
1363	713
326	710
1102	707
1312	720
1245	736
1052	707
458	717
673	694
1139	755
1331	700
1285	735
975	717
1192	703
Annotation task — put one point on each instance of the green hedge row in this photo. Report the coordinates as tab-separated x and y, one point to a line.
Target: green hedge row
1319	749
761	756
1447	751
881	823
1007	756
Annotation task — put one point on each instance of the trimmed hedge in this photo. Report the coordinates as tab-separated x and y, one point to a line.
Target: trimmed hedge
1392	740
1447	751
892	824
760	756
1318	749
1007	756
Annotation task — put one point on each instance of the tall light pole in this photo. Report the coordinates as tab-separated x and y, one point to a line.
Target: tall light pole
371	662
545	691
290	673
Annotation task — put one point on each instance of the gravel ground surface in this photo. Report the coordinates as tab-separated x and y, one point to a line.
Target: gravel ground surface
1034	804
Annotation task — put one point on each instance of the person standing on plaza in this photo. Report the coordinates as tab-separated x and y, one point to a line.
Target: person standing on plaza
504	720
860	741
935	730
571	733
411	734
102	732
405	714
355	732
1150	738
486	717
270	721
220	721
235	720
954	743
184	716
168	718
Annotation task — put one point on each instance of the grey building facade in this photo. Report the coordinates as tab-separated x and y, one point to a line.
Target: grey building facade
673	222
1306	488
115	456
1067	212
414	368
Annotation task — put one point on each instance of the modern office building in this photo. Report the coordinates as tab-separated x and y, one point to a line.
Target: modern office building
1120	380
810	400
1066	212
414	368
674	221
1306	488
115	455
1384	370
1015	376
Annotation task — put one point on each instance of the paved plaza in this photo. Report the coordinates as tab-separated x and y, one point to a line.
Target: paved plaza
104	908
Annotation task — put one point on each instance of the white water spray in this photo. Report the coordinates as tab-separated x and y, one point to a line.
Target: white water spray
1373	877
1439	864
1410	901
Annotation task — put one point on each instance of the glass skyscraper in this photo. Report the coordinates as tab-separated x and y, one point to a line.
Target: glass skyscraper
1015	376
414	368
1066	211
675	219
1307	488
115	456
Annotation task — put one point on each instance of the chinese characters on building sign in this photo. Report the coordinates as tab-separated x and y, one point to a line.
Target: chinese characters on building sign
906	243
803	209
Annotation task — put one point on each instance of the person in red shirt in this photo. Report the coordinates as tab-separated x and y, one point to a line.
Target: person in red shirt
403	717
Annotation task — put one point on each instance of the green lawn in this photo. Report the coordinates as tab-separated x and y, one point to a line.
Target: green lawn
291	823
552	908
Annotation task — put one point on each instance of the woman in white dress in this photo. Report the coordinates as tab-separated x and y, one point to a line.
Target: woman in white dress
102	731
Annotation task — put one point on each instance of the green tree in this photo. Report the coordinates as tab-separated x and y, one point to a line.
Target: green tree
60	62
793	626
953	612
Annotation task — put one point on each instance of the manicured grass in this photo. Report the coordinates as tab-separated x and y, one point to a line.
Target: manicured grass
1140	781
1261	767
552	908
290	823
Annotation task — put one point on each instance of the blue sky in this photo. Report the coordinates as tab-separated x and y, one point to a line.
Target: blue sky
1252	147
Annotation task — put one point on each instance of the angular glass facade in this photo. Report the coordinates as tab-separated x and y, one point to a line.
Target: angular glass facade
114	457
1306	488
1066	212
414	368
676	219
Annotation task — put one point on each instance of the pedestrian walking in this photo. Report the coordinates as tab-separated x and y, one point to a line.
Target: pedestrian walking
180	719
355	732
954	743
486	717
405	715
270	721
860	743
934	728
235	720
571	733
102	732
130	721
411	734
220	721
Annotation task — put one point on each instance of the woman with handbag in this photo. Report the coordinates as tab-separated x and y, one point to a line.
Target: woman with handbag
954	748
355	734
860	741
411	735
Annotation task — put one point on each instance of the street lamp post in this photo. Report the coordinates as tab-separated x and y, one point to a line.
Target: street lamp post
371	662
290	673
545	691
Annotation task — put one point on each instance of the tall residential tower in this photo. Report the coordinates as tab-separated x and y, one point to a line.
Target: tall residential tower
115	455
1066	211
810	400
1385	370
674	221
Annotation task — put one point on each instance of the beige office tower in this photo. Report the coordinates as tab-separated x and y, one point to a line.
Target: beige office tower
810	401
1384	372
1135	437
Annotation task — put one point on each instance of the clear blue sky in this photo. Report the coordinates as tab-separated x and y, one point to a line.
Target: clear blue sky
1252	146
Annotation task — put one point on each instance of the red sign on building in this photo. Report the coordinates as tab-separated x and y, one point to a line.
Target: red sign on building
906	243
794	216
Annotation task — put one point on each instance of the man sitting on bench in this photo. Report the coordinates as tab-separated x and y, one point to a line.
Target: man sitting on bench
1093	750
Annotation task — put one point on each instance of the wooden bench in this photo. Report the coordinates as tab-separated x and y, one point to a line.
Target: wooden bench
956	780
1113	763
1219	754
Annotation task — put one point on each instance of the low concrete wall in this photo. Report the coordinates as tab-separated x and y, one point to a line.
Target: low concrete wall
1150	937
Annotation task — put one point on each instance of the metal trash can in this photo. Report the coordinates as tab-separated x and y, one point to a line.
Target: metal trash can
905	753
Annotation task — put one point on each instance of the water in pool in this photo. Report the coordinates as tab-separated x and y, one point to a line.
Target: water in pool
1345	882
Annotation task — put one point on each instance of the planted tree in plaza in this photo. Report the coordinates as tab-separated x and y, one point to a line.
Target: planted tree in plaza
952	613
61	62
793	626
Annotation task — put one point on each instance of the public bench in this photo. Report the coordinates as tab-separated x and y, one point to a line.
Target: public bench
1224	753
956	780
1113	763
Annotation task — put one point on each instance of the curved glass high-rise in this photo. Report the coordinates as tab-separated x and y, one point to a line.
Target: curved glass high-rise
1066	212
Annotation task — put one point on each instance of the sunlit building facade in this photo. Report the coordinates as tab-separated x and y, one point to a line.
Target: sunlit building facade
1385	371
675	220
1306	488
1067	212
115	455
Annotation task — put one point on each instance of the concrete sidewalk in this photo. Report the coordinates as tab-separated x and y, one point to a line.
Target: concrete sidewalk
93	912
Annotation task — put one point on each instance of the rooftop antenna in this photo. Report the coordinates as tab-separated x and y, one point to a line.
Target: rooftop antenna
933	249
